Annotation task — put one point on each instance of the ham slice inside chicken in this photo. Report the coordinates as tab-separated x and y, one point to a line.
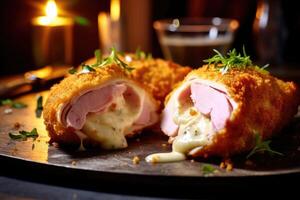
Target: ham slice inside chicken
209	101
98	100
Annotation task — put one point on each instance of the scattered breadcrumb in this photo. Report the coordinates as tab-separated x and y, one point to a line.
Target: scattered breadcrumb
229	167
226	164
8	111
17	125
192	161
136	160
73	163
222	165
164	145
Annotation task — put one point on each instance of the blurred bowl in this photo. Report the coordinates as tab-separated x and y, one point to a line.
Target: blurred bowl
189	41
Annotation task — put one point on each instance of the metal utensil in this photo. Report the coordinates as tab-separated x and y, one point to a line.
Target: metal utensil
11	86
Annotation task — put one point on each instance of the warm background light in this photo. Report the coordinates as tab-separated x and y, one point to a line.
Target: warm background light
115	10
52	37
52	18
51	9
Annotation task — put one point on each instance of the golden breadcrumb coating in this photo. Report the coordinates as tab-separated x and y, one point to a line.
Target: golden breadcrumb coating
265	105
158	75
73	86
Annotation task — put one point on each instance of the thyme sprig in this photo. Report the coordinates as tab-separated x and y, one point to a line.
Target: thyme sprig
139	54
87	68
23	135
208	169
113	58
99	58
72	70
262	147
39	106
233	59
12	104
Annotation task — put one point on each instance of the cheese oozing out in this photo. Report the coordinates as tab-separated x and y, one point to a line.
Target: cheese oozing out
193	129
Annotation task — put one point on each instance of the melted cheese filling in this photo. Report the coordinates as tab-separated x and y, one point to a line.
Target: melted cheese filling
110	126
195	131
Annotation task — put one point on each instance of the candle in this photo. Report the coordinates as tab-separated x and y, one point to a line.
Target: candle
52	37
110	28
115	10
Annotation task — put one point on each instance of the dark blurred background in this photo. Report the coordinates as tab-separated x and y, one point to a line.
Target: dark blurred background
280	36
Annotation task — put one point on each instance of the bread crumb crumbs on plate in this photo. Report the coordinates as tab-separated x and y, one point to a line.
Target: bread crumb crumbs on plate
17	125
8	111
73	162
136	160
226	164
164	145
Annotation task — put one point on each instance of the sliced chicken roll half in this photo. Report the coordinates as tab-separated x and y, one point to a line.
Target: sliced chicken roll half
104	106
211	113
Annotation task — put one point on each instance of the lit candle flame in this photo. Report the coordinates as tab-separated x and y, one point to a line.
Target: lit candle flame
51	9
115	10
51	17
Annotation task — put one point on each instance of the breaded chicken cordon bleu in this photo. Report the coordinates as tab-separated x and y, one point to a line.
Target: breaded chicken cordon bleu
217	109
102	103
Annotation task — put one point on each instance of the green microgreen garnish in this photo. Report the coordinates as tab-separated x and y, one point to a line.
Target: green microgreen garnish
265	67
231	60
142	55
113	58
100	62
6	102
72	71
87	68
12	104
18	105
208	169
99	59
39	106
262	147
23	135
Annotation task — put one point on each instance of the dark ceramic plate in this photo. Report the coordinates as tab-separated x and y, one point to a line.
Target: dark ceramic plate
39	155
